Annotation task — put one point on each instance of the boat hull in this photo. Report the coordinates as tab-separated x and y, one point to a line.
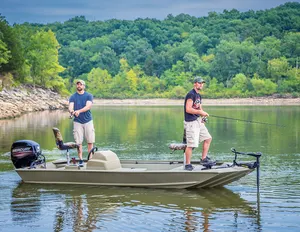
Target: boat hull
146	174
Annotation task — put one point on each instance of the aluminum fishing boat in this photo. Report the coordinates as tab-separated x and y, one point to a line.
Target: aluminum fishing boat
104	168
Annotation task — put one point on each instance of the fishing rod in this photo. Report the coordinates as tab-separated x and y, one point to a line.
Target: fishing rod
249	121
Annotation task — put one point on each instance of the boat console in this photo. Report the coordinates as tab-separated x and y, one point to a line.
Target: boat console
104	160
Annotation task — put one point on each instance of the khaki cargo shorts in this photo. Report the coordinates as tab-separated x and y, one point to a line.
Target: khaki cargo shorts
84	130
196	132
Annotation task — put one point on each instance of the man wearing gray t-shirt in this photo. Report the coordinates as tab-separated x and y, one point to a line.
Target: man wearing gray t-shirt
80	104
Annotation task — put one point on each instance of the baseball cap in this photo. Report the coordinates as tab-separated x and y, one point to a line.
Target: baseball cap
80	81
199	80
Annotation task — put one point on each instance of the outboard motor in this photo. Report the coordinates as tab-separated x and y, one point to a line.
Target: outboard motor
26	153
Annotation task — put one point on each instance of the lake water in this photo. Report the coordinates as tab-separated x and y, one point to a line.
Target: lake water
144	132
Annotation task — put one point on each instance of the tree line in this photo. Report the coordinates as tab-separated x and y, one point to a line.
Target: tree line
239	54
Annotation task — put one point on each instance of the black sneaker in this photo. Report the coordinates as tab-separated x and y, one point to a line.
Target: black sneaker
205	160
81	163
188	167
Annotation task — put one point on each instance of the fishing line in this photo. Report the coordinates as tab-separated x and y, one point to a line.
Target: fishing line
249	121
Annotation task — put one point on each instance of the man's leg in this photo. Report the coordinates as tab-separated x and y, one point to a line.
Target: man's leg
90	136
78	137
205	147
188	155
192	139
206	138
90	146
80	151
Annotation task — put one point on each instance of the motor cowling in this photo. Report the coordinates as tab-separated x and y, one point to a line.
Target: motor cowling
24	153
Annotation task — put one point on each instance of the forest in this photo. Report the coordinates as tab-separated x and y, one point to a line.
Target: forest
239	54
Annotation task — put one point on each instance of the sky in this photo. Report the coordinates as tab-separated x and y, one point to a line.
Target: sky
49	11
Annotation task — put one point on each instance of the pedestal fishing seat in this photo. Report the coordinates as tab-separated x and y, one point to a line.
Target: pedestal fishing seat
180	146
63	146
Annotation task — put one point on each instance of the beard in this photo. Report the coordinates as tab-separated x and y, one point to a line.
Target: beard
79	88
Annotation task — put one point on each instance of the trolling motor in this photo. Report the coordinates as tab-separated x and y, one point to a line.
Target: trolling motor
250	165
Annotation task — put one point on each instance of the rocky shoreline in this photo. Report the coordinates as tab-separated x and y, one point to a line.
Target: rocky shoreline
17	101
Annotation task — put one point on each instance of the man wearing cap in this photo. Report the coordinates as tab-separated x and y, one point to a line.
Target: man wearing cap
80	104
194	126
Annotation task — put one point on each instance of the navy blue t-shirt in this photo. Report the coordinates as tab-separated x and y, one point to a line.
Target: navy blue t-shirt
80	102
196	97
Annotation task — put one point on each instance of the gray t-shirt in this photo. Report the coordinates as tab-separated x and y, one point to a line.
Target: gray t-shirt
80	102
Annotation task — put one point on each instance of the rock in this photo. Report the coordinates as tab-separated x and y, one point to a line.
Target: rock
16	101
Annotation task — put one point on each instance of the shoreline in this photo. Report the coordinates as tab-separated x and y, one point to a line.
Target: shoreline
17	101
213	102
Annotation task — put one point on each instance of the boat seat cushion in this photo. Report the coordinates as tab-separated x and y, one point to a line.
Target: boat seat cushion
104	160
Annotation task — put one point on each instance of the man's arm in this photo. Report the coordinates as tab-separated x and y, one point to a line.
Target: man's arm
87	107
189	109
71	107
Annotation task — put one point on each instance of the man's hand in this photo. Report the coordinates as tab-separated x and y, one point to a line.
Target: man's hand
71	114
76	113
206	114
203	113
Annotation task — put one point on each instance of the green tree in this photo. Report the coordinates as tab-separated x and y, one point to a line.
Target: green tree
136	52
267	49
240	82
278	68
195	64
291	47
232	58
173	76
177	92
178	51
263	87
214	89
292	83
4	54
42	56
99	82
131	81
12	51
121	80
201	42
106	59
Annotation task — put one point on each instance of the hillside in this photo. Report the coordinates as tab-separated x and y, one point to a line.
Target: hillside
239	54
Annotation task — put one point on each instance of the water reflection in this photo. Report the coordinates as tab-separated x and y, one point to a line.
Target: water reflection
96	208
25	203
34	126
